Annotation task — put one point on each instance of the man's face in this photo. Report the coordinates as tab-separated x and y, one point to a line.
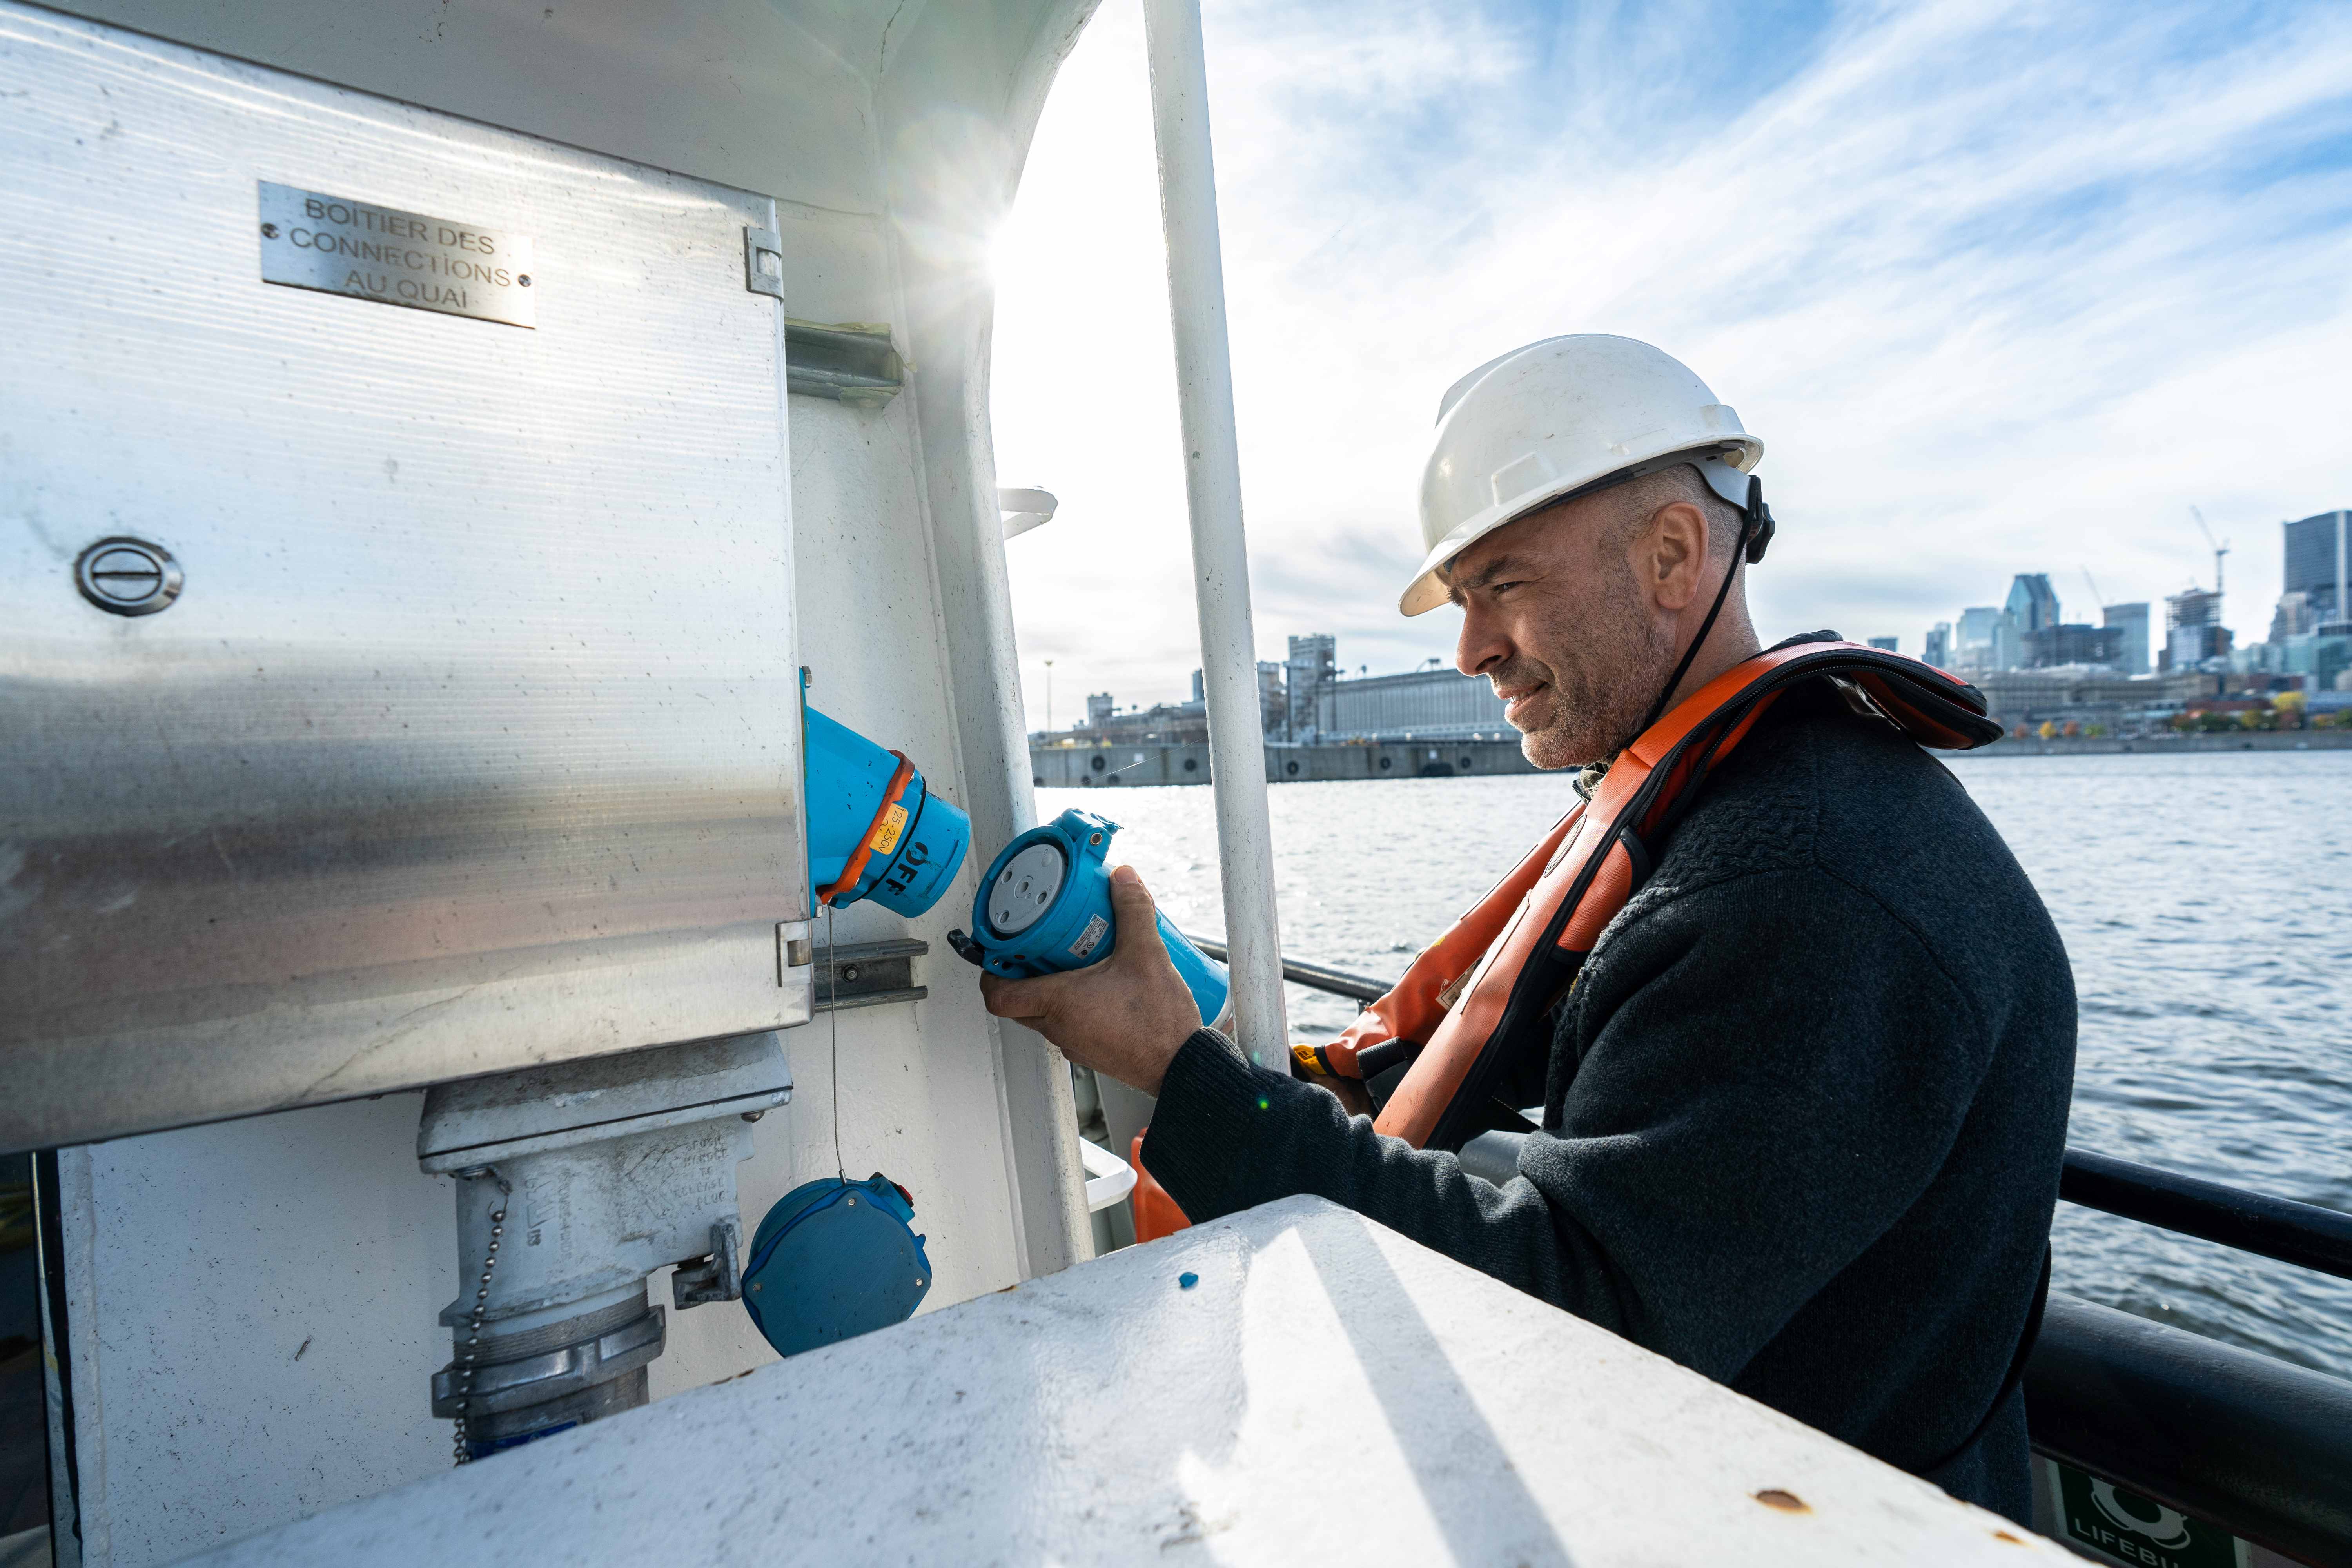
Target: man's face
1555	616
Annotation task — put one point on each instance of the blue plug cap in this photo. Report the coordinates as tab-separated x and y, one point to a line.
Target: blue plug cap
834	1259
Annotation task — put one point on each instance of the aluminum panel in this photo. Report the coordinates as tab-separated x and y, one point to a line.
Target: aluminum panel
470	740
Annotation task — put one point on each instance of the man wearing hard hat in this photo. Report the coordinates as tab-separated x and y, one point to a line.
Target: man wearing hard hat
1798	1032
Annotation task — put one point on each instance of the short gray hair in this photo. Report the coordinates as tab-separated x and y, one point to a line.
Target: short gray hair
1639	500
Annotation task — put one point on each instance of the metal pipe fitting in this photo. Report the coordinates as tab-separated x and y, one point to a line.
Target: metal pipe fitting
575	1183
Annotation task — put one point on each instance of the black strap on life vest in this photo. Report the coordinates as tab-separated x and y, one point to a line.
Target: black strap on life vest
1755	534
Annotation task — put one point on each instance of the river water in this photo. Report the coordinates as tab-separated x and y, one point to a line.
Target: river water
2206	901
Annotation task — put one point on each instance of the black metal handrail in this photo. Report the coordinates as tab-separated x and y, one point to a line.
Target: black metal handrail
2304	1234
2255	1445
1313	976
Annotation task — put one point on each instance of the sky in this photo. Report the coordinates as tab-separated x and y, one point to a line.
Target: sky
2002	286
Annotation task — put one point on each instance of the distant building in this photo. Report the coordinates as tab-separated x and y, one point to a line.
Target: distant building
2033	603
1987	639
2193	631
2077	694
2132	621
1424	704
2318	563
2072	644
1886	643
1317	651
1935	647
2294	616
2306	661
1198	694
1312	664
1273	697
1169	723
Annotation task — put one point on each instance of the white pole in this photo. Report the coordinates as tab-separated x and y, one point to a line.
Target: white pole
1213	481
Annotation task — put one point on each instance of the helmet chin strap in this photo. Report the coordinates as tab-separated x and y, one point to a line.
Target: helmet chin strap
1755	534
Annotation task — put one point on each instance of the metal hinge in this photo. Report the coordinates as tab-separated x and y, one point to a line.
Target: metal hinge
794	950
719	1277
763	262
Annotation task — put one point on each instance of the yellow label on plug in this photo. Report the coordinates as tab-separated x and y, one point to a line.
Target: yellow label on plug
885	832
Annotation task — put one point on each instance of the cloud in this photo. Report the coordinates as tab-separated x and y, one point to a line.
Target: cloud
2004	286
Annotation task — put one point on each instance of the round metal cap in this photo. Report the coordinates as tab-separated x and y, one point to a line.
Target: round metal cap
127	576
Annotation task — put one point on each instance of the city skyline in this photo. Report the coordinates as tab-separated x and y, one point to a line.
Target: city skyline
1913	641
2028	630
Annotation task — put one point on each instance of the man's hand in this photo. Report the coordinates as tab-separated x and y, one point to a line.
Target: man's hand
1127	1016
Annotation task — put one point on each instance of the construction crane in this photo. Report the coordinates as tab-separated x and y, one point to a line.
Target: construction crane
2096	598
2220	550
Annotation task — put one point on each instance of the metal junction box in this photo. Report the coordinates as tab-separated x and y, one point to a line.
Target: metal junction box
397	671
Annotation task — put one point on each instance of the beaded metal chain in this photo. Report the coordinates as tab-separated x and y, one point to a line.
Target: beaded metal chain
465	1369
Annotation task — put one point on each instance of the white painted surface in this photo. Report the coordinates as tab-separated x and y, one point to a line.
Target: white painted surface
1212	486
253	1314
1326	1392
958	102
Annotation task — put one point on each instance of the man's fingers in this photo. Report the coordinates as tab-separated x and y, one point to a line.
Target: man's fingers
1131	907
1019	999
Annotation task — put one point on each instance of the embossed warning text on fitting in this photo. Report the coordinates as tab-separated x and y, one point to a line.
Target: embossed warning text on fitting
313	241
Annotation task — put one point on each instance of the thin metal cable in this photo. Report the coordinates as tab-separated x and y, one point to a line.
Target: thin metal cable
833	1014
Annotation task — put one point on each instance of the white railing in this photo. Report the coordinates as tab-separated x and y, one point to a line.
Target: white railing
1213	480
1108	1177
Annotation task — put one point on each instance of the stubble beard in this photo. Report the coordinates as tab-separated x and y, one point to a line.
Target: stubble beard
1598	694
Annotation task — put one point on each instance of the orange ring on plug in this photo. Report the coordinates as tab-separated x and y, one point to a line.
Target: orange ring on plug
855	866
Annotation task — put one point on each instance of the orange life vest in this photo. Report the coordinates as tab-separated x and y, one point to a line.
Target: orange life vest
1502	967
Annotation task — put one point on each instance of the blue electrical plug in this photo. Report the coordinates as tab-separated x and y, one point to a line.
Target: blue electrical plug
875	830
1044	907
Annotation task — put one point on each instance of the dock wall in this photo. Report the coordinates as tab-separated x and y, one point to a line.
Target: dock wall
2171	745
1070	767
1127	765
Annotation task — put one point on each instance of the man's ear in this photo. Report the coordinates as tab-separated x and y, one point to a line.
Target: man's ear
1674	548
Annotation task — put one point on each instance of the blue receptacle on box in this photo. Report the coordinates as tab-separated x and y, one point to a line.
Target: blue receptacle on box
875	830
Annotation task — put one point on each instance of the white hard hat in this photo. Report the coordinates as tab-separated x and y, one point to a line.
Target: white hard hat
1558	418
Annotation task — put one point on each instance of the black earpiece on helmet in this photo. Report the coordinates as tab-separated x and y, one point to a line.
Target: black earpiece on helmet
1758	525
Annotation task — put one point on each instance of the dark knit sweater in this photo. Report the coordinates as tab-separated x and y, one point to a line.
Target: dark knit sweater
1804	1111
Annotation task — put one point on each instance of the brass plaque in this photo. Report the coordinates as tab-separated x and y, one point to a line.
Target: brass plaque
313	241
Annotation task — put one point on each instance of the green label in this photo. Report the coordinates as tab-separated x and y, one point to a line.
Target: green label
2129	1528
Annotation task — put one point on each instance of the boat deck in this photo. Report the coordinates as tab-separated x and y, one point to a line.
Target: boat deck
1322	1390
